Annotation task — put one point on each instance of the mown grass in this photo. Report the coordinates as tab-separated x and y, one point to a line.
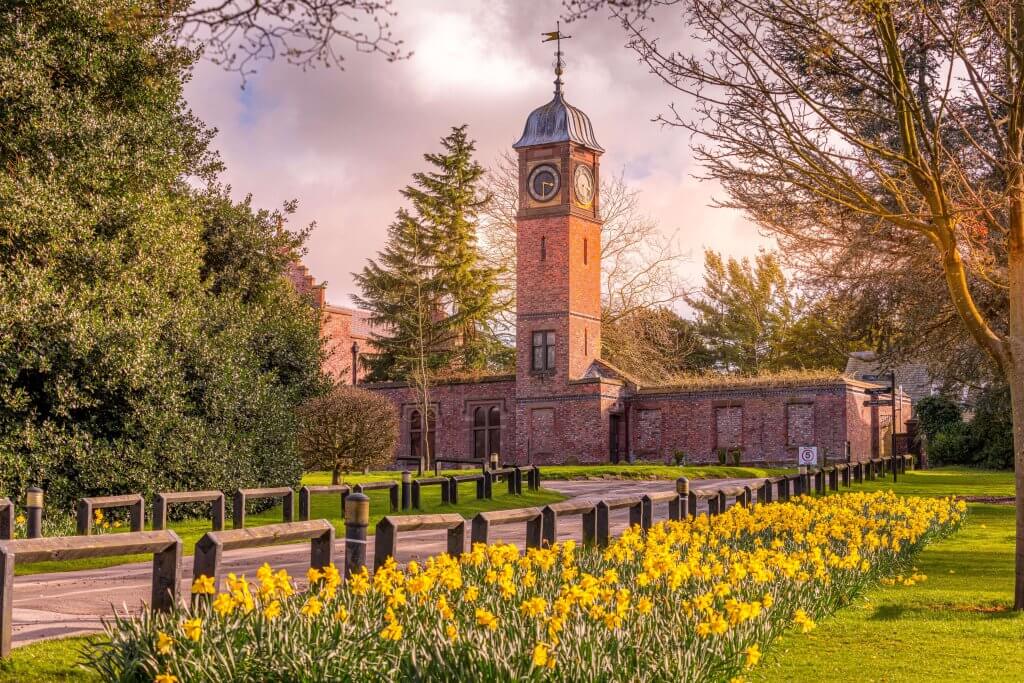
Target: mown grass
956	626
644	471
324	507
51	661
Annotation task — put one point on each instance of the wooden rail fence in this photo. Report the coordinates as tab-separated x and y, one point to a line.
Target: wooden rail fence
164	500
87	506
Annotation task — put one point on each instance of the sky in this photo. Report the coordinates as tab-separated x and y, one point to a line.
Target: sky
343	142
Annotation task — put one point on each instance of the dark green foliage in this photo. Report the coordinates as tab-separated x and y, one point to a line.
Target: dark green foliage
985	441
935	413
147	340
432	257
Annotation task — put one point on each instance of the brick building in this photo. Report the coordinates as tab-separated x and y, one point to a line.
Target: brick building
347	332
564	403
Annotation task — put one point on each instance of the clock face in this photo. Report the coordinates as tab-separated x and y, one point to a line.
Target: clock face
583	184
543	183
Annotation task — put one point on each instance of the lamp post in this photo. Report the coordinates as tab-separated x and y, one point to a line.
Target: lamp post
892	386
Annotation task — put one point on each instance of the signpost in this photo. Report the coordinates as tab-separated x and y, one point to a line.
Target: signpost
807	456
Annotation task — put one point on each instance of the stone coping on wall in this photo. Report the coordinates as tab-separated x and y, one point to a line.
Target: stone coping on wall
483	379
757	387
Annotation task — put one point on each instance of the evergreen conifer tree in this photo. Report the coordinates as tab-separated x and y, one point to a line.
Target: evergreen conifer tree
432	250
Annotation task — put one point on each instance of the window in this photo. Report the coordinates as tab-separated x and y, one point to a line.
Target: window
416	433
486	431
584	251
543	248
543	351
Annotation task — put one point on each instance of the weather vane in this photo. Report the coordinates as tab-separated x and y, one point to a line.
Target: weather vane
556	35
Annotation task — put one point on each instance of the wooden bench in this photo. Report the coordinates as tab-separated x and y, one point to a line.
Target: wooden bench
164	545
242	496
418	484
166	499
604	507
484	521
306	494
210	548
386	538
390	485
86	507
6	519
455	480
550	515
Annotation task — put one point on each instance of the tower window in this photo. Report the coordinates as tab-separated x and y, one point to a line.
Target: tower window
543	356
584	251
543	248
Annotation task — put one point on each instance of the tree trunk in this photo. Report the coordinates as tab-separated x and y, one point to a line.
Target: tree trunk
1015	378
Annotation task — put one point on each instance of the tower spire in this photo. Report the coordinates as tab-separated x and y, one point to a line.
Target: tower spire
557	36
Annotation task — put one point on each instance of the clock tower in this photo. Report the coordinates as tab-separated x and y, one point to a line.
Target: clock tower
558	262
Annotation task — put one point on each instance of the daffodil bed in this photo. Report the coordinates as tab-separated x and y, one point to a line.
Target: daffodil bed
691	600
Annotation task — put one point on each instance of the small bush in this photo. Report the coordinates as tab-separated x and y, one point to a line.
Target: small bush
348	429
985	441
679	458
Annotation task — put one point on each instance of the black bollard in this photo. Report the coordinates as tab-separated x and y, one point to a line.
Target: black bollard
34	510
357	519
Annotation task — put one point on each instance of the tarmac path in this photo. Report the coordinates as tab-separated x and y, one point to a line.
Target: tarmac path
73	603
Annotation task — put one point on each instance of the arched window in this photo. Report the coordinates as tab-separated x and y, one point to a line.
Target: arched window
543	248
486	431
416	433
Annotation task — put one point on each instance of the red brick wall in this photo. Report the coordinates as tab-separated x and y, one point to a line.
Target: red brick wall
756	420
453	405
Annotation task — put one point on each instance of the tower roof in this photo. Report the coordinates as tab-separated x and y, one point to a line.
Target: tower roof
558	121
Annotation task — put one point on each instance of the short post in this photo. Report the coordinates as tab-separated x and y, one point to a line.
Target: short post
858	473
646	513
453	490
305	504
416	495
6	519
406	489
488	485
34	513
683	489
846	476
691	504
765	494
833	479
518	479
602	527
712	506
357	519
481	492
819	482
722	504
6	601
748	497
784	489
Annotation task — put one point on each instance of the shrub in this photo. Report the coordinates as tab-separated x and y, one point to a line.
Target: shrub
348	429
693	600
679	457
935	413
953	445
721	456
985	441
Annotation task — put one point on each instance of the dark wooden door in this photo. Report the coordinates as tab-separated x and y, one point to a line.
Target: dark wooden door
616	438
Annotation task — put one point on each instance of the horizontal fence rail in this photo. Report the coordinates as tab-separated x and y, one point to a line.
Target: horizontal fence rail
163	501
87	506
165	547
306	494
386	540
390	485
243	496
484	522
210	548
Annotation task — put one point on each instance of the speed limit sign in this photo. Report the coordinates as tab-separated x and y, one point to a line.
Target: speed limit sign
807	455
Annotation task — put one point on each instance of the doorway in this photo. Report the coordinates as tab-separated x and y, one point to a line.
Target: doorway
618	445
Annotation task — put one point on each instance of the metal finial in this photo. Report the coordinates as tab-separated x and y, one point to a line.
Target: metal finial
557	36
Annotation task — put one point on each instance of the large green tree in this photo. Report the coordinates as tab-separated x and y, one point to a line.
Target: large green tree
432	262
147	338
753	320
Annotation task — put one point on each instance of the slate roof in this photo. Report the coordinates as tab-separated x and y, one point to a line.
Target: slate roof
558	121
913	377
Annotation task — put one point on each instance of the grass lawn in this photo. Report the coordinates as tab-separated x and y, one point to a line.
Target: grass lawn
956	626
48	662
656	472
325	507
